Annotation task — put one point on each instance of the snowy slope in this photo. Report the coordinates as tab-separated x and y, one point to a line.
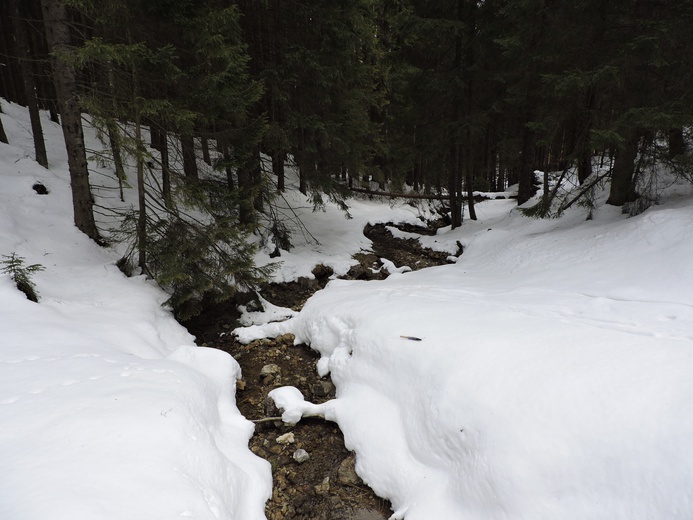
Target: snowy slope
108	410
552	379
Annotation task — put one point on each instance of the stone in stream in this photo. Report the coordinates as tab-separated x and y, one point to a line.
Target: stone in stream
287	438
301	455
346	474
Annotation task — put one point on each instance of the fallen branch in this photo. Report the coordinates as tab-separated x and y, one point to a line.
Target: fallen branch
400	195
266	420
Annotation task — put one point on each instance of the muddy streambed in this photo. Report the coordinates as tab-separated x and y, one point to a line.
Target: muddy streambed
312	471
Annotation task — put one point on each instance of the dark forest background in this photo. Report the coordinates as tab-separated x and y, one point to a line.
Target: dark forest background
209	100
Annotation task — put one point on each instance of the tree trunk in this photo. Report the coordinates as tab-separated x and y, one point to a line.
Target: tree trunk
455	187
24	54
205	150
223	146
3	135
622	177
114	142
187	143
58	36
165	168
677	142
278	169
141	201
526	189
245	192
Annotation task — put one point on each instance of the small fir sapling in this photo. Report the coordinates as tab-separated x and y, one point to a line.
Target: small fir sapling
13	266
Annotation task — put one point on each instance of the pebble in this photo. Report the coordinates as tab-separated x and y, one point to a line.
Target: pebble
301	456
324	487
270	370
287	438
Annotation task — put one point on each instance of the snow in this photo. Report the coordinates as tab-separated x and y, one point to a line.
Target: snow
108	409
551	379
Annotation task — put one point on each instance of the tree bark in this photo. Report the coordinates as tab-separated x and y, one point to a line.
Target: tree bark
187	143
56	20
3	135
23	55
165	169
526	188
622	189
278	169
141	201
677	142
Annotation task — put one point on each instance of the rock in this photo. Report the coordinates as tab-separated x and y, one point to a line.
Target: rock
346	474
287	438
271	409
269	373
286	339
322	272
270	370
324	487
40	188
322	388
301	456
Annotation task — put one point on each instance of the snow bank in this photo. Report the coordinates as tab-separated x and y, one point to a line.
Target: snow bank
108	409
552	379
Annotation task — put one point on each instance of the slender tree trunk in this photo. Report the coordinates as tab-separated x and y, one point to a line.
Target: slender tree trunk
3	135
205	150
223	145
245	192
114	136
256	176
114	142
187	143
278	169
24	54
677	143
155	137
58	36
454	187
622	177
165	168
526	187
141	201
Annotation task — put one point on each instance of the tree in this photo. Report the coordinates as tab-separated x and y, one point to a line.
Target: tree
188	80
3	135
24	55
56	20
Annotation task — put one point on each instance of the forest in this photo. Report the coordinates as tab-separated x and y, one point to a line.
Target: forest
208	101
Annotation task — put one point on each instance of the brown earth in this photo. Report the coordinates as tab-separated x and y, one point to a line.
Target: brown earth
325	486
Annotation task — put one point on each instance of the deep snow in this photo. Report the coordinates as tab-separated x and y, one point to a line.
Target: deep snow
107	407
552	379
553	376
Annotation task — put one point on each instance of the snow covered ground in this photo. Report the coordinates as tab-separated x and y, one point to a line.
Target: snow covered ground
551	379
108	410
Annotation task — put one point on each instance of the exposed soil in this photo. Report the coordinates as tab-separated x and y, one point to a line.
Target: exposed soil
325	486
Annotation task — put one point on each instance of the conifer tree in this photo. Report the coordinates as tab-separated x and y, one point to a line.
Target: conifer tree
190	76
24	54
3	135
56	19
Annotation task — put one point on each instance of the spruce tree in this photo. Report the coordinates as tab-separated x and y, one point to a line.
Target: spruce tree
57	23
189	76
